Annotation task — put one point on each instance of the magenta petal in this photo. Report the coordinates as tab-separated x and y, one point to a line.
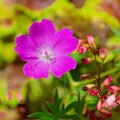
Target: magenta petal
62	65
65	42
25	48
36	69
42	32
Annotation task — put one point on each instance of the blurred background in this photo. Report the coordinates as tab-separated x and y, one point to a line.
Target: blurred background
19	95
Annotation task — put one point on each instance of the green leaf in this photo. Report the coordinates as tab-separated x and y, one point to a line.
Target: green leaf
56	97
69	107
35	115
51	107
58	110
109	57
78	107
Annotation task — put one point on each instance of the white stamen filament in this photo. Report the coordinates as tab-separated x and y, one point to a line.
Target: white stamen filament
47	55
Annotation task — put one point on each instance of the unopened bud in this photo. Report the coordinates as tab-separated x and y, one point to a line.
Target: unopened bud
90	39
9	95
85	88
82	49
94	92
114	89
80	42
102	53
107	81
99	105
19	96
86	60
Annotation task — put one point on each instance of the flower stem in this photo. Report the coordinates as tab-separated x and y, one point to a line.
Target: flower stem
98	66
99	72
70	78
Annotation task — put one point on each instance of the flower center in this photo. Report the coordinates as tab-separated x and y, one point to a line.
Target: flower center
47	56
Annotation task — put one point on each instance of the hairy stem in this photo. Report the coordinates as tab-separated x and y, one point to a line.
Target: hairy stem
98	66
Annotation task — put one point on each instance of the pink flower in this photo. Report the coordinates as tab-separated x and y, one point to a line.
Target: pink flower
110	100
94	92
46	50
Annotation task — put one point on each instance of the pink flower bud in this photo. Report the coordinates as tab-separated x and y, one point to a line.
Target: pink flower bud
19	96
113	89
86	60
107	81
85	88
110	100
90	39
80	43
82	49
102	53
99	105
9	95
94	92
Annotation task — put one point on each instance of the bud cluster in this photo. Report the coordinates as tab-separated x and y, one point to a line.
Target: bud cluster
108	95
82	47
111	99
108	100
89	44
